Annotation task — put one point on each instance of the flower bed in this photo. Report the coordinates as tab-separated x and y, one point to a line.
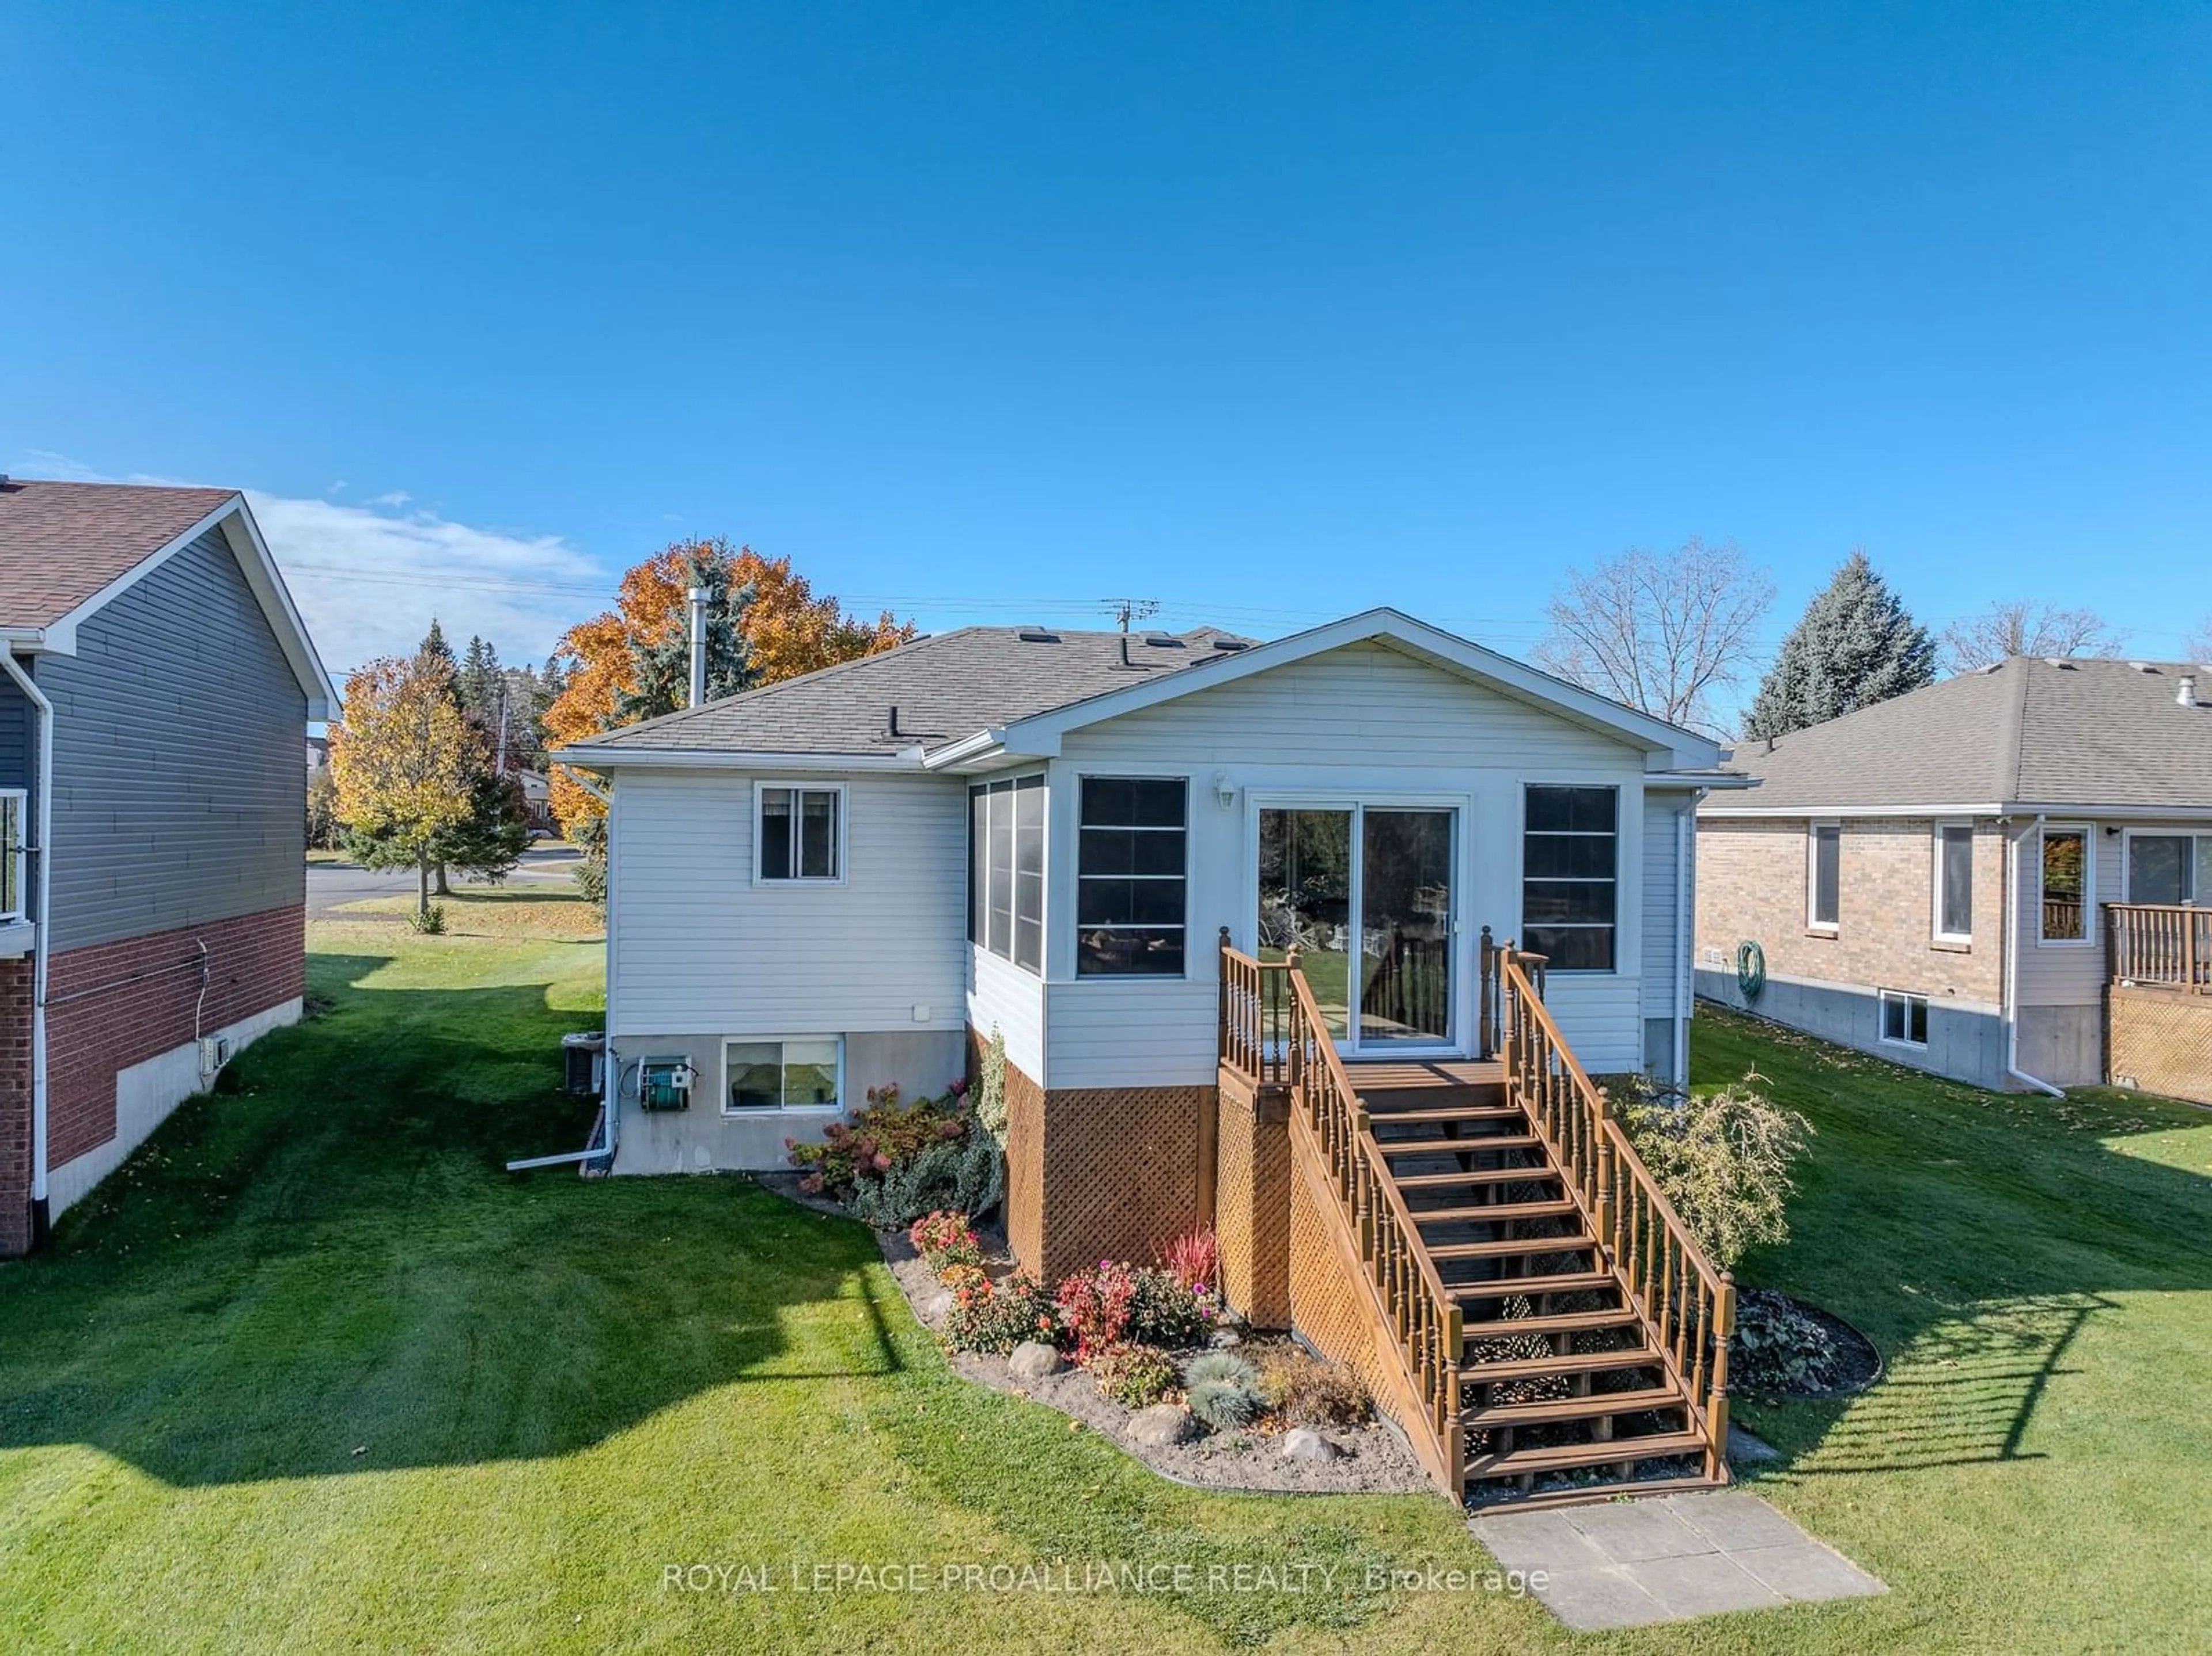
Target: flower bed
1146	1355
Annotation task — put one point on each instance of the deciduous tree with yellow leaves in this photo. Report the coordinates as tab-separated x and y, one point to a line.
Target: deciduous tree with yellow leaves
788	631
403	760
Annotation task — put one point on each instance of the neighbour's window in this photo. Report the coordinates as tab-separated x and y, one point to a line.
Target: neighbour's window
1569	882
799	833
1005	870
798	1073
2065	885
1129	877
1824	876
1904	1018
1954	882
2169	868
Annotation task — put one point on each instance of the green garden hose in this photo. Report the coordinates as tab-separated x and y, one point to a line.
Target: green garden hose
1750	969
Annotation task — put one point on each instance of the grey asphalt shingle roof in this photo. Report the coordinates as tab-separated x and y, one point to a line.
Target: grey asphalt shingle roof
2025	731
945	688
61	543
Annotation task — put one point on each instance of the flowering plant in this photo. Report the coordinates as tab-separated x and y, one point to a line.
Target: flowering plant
883	1135
998	1316
945	1240
1194	1259
1095	1306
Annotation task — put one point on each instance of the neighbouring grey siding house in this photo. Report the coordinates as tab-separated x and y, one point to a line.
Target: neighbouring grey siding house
156	690
843	881
1938	878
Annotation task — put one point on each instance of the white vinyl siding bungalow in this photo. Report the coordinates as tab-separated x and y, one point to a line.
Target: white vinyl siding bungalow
920	939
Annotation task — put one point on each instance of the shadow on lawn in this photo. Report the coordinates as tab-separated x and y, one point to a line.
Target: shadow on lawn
1974	1236
327	1270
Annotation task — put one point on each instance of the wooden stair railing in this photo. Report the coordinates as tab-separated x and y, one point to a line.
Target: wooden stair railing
1274	1033
1687	1307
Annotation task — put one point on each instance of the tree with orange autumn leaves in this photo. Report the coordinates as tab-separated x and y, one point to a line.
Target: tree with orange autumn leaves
788	631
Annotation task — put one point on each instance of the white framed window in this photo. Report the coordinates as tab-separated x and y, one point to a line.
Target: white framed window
1130	868
1952	900
799	833
782	1072
1904	1018
2065	865
1005	870
2162	866
1824	875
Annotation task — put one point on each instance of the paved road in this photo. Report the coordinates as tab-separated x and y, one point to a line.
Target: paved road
333	885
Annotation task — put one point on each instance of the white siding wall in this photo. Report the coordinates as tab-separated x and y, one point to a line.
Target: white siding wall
2063	974
1364	721
1002	996
1663	941
698	947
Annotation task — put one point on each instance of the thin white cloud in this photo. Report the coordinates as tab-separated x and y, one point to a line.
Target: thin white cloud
369	578
369	581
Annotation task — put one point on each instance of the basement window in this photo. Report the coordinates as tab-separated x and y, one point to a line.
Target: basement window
786	1073
1904	1018
799	833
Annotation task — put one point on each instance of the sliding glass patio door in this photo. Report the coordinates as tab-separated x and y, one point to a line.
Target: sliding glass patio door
1365	894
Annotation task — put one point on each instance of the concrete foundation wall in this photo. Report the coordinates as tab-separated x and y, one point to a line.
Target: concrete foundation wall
2063	1045
704	1138
1965	1042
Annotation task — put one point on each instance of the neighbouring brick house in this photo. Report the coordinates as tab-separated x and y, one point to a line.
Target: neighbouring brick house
153	699
2005	877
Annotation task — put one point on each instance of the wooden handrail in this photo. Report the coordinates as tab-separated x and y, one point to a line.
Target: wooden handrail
1687	1306
2161	945
1273	1034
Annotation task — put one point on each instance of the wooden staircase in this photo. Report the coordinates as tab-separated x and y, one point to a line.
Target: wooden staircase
1562	1336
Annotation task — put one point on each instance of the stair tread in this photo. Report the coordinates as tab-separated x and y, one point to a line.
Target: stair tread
1564	1322
1494	1142
1444	1252
1448	1181
1595	1406
1562	1457
1578	1362
1498	1288
1389	1118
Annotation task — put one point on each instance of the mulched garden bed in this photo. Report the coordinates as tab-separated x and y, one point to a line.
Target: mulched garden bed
1831	1360
1374	1460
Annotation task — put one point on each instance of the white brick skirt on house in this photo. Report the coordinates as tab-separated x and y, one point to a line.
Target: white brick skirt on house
1965	1039
704	1137
146	1093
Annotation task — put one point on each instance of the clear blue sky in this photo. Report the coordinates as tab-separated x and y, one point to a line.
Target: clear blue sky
1270	313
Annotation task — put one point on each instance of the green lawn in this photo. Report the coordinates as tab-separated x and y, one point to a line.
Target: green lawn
315	1374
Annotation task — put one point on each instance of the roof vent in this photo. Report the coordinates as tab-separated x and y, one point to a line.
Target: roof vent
2059	662
2185	691
1231	644
1163	641
1038	635
2143	666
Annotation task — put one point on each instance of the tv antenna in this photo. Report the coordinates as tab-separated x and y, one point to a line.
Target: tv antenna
1125	610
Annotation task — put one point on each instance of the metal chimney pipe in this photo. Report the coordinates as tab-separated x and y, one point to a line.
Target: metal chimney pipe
699	596
2185	692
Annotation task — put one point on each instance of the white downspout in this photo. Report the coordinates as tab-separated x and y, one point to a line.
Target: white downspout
1685	923
39	939
2015	918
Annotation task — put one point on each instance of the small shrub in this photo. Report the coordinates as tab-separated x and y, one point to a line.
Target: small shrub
1095	1306
1195	1259
429	922
1303	1391
998	1316
1224	1391
1723	1160
962	1278
1134	1376
945	1240
991	1102
1163	1311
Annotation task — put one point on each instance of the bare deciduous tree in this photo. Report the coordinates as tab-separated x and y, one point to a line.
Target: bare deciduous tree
2199	648
2018	627
1665	632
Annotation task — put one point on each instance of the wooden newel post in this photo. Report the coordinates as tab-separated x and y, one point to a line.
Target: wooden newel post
1294	1035
1363	1128
1716	1416
1454	1445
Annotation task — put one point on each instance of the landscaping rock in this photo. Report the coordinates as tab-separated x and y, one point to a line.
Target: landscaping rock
1033	1360
1303	1443
1161	1426
938	1307
1745	1447
1226	1338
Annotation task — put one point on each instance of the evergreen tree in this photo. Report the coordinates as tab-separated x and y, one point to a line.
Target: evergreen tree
1855	646
435	650
662	667
480	682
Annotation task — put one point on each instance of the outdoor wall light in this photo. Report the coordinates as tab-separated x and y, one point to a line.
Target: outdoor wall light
1224	789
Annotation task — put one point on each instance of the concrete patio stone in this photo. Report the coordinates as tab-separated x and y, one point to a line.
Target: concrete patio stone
1633	1563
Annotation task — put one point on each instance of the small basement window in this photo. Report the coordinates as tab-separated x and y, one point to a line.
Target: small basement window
794	1072
1904	1018
799	833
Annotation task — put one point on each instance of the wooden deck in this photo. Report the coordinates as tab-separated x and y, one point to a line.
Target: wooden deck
1398	1075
